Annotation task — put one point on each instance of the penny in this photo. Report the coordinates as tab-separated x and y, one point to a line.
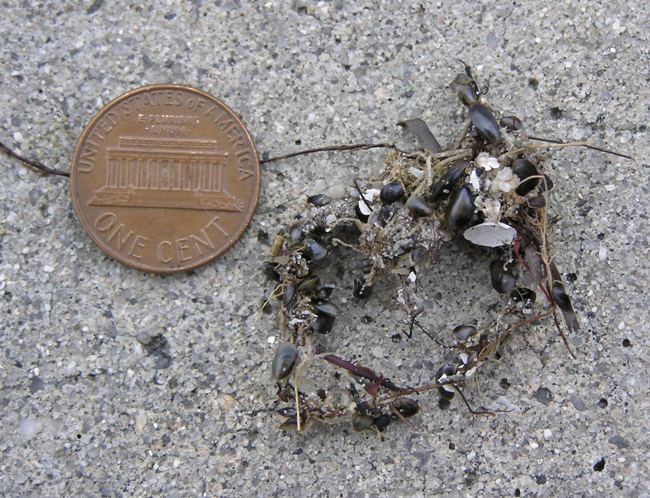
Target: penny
165	178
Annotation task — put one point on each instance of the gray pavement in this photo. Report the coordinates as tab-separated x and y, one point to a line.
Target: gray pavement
92	405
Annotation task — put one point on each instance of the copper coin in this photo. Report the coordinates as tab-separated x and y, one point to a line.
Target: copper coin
165	178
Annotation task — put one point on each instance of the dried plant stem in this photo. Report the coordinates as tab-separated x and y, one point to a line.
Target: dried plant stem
297	399
333	148
589	146
469	407
557	145
37	165
547	259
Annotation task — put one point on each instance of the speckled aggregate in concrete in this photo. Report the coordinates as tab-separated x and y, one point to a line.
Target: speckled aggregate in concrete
119	383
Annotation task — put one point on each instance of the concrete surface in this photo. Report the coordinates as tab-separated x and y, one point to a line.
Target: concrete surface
91	405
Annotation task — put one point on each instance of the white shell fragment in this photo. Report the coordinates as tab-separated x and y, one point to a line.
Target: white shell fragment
491	209
370	194
505	181
364	209
487	162
491	234
474	181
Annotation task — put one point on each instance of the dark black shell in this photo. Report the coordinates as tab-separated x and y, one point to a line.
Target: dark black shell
323	324
361	288
466	94
536	202
316	249
445	183
325	308
463	333
325	316
308	284
503	281
511	123
288	295
386	212
523	295
484	122
406	407
284	360
382	421
319	200
560	297
461	208
291	424
418	206
323	291
466	88
287	412
446	392
446	369
525	169
270	269
391	192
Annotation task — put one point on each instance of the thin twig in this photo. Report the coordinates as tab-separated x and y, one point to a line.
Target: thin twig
295	390
553	145
37	165
562	334
360	371
589	146
363	198
333	148
469	407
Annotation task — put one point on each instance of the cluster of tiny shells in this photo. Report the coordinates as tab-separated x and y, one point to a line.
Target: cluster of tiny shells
489	187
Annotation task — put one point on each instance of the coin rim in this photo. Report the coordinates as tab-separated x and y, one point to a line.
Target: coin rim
116	255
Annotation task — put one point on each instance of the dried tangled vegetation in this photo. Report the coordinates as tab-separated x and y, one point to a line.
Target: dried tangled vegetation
487	186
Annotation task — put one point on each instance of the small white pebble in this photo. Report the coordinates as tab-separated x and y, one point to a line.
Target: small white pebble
610	187
271	339
176	463
471	455
18	137
29	427
140	421
533	445
48	269
603	253
417	173
621	326
548	434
